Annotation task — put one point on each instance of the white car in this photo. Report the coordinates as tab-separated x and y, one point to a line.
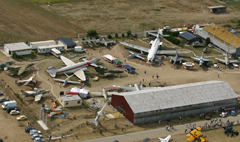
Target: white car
39	139
235	65
14	112
215	65
36	136
32	132
223	114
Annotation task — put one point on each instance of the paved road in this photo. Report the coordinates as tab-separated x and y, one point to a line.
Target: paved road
155	133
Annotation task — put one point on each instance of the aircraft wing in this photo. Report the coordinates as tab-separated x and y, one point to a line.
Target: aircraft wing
59	107
92	64
38	97
69	81
153	34
140	57
207	60
67	61
173	58
51	114
168	138
233	61
222	60
80	74
60	80
135	46
191	138
196	58
125	88
21	70
26	83
172	52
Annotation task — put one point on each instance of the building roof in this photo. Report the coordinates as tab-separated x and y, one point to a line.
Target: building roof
50	46
213	7
178	96
129	67
68	98
110	57
46	41
17	46
223	34
67	41
188	36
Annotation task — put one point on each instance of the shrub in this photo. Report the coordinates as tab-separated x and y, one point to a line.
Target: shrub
129	33
100	132
109	36
116	35
92	33
123	35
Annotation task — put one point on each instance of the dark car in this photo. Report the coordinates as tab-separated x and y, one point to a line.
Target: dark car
207	117
3	100
27	129
1	93
11	108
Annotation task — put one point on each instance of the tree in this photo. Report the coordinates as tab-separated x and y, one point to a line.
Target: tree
129	33
109	36
116	35
238	22
92	33
123	35
207	41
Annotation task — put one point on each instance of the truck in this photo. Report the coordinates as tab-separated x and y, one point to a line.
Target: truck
9	104
79	49
56	52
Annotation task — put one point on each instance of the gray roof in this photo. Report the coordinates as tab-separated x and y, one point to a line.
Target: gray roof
67	41
69	98
17	46
188	35
220	6
179	95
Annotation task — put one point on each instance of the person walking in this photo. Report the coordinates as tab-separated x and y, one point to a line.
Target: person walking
153	77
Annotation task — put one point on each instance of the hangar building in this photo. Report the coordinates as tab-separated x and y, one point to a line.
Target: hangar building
174	101
67	42
19	48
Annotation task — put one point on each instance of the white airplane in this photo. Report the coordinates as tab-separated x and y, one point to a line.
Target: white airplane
99	113
28	80
134	88
166	139
226	60
154	48
76	68
201	59
67	80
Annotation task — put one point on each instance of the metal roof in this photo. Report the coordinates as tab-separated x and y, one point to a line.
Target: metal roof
223	34
178	96
46	41
17	46
67	41
68	98
187	36
50	46
220	6
110	57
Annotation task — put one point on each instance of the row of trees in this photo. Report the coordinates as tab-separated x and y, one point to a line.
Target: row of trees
93	33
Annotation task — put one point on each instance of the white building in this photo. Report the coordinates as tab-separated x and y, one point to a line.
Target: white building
70	100
35	45
47	49
19	48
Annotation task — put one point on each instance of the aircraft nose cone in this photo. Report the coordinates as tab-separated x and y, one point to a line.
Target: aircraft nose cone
89	63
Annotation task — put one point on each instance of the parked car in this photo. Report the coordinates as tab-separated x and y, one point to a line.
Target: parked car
3	100
207	117
223	114
1	93
32	132
22	117
28	129
39	139
12	108
233	112
36	136
14	112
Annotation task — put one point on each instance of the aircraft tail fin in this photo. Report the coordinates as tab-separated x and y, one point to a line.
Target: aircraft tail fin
52	71
161	139
24	93
141	51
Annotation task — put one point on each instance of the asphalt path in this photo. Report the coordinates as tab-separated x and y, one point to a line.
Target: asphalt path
155	133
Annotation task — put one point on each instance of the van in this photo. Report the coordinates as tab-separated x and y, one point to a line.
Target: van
9	104
78	49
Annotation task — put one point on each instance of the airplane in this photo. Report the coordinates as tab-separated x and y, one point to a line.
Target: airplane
229	129
176	59
51	112
195	134
26	82
132	54
201	59
99	113
166	139
103	93
154	47
226	60
104	42
67	80
37	94
9	63
89	42
134	88
19	69
106	72
76	68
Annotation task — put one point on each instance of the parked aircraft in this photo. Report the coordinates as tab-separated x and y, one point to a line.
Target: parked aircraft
26	82
106	72
201	59
229	130
132	54
9	63
134	88
76	68
67	80
103	93
226	60
11	70
175	59
154	48
166	139
99	113
37	94
104	42
89	42
195	134
51	112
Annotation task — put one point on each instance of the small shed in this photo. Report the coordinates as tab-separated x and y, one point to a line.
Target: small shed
109	58
70	100
118	63
35	45
67	42
129	68
19	48
190	37
218	9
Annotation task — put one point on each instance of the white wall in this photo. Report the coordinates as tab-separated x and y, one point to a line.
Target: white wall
34	45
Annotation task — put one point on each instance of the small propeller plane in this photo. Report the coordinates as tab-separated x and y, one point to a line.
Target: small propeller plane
104	42
26	82
195	134
99	113
51	112
166	139
67	80
176	59
202	60
37	94
226	61
9	63
137	55
229	130
17	69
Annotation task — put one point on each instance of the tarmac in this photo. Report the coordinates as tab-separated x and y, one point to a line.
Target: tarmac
155	133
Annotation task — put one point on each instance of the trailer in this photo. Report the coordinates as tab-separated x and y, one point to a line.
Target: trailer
35	45
47	49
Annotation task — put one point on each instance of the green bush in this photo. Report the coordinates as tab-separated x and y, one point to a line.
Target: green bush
129	33
92	33
116	35
123	35
109	36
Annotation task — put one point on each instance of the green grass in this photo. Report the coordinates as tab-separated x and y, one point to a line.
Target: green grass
120	18
156	9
